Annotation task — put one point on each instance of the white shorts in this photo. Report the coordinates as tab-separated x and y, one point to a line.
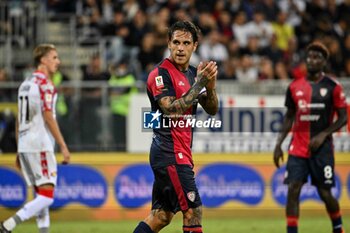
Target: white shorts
39	168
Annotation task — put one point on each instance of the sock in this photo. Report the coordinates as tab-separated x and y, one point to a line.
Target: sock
43	220
192	229
292	224
336	221
143	228
12	222
44	230
34	207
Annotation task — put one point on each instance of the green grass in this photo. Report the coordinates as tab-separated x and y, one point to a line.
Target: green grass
235	225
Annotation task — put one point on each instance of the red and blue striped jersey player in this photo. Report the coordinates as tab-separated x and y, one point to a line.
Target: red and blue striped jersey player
312	104
174	89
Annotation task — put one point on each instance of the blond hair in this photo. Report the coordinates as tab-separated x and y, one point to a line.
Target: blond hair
40	51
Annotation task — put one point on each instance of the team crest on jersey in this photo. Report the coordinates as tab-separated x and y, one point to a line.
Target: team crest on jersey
191	196
323	92
48	98
159	82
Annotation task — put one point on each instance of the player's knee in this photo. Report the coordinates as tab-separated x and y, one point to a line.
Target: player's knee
163	219
325	194
46	195
294	190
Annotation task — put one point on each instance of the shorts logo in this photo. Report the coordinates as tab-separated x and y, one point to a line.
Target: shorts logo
191	196
159	82
151	120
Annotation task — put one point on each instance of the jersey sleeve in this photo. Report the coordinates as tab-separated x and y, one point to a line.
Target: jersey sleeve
159	84
339	98
289	103
47	91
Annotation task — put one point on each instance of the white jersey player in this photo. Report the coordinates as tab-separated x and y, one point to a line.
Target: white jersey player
37	131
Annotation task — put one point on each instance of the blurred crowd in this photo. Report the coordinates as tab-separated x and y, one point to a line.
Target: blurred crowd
252	39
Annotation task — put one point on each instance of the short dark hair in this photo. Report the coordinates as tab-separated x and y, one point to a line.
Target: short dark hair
40	51
186	26
318	46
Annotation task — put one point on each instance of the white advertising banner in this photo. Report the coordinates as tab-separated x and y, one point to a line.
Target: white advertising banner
249	124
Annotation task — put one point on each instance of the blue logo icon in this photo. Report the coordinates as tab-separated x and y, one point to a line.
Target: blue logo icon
13	190
151	120
80	184
219	183
133	186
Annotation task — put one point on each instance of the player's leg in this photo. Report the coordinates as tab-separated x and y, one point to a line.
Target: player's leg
157	220
292	206
39	169
322	174
43	220
333	209
296	175
192	220
162	196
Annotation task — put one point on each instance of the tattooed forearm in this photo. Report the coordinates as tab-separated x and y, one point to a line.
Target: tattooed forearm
209	102
172	106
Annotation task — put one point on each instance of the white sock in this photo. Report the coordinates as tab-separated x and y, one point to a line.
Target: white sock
9	224
43	218
34	207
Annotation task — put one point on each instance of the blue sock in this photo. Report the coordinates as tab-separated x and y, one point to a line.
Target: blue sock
143	228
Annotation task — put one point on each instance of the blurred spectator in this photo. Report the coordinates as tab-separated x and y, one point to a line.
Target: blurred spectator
253	50
212	49
149	55
270	8
130	7
225	27
138	27
89	17
93	72
6	94
246	72
274	53
260	28
281	72
7	132
336	58
295	10
206	22
122	85
284	32
240	29
299	71
227	71
266	69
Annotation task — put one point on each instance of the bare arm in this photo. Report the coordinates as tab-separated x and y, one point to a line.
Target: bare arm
56	133
316	141
209	101
172	106
286	127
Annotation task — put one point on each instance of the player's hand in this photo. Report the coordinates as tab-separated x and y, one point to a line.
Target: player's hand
207	71
66	155
277	156
18	162
317	141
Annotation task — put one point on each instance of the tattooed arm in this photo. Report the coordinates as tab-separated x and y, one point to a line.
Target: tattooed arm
172	106
209	101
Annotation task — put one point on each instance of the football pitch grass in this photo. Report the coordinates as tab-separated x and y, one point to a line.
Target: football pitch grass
307	224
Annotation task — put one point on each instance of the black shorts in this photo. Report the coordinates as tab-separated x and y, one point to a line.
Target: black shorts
320	166
175	189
